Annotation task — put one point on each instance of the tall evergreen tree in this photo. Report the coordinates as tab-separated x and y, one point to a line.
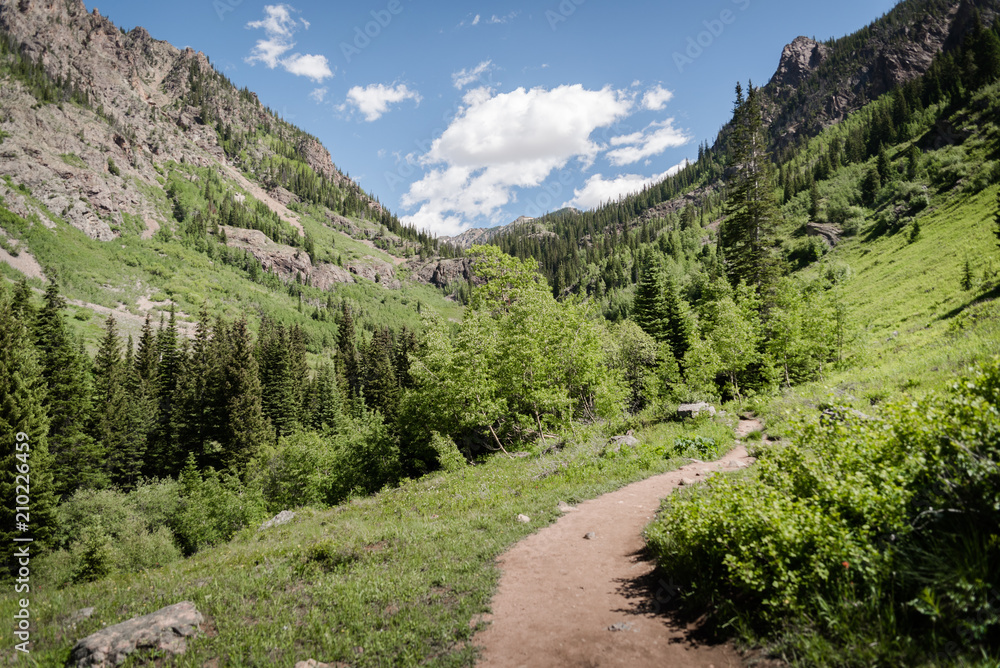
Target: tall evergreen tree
347	345
198	411
245	429
23	440
381	389
649	309
325	403
164	456
66	371
747	234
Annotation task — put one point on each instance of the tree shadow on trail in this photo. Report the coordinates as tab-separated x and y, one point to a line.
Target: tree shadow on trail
658	594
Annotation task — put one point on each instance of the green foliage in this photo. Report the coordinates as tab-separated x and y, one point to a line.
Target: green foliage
113	168
450	459
898	510
519	363
213	508
751	211
309	469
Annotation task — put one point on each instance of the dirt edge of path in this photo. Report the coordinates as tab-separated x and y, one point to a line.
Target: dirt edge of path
582	591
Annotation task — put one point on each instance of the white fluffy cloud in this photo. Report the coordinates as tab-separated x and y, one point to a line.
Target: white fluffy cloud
319	94
279	27
598	190
505	141
655	139
374	100
656	98
464	77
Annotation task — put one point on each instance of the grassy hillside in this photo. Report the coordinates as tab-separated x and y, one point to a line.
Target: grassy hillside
400	578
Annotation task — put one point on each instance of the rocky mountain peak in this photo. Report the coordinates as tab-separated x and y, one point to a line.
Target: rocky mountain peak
798	60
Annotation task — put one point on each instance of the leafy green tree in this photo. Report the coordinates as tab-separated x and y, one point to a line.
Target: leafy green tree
747	234
635	357
23	440
733	329
520	362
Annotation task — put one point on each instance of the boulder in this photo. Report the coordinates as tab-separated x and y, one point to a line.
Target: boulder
694	410
284	517
165	630
615	443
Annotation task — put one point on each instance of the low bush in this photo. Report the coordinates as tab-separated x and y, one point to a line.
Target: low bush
875	533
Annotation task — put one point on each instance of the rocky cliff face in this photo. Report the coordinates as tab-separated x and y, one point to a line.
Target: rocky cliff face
817	84
140	92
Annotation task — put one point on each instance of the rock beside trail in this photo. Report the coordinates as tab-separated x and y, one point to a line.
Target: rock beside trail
165	630
627	440
694	410
284	517
523	519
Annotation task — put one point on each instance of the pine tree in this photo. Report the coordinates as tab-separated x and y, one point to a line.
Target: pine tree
325	404
381	389
245	429
65	369
279	399
747	235
111	419
164	456
197	410
649	309
23	440
349	352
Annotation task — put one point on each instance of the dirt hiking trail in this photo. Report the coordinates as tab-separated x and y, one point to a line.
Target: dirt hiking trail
583	591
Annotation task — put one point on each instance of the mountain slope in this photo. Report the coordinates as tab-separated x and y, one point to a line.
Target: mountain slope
125	138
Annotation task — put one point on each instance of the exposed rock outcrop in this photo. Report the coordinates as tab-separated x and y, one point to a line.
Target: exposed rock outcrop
165	630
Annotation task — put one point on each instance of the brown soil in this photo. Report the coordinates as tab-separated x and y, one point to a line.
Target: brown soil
566	599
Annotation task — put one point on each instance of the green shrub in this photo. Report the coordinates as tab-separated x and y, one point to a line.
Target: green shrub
213	508
95	560
883	527
449	457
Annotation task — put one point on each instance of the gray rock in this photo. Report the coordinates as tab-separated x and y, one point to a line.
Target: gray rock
615	443
312	663
694	410
590	535
523	519
165	630
284	517
620	626
565	507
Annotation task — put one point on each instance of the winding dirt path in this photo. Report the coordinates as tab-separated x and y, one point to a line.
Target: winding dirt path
583	591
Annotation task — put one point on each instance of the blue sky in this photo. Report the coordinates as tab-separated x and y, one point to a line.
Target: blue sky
459	115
